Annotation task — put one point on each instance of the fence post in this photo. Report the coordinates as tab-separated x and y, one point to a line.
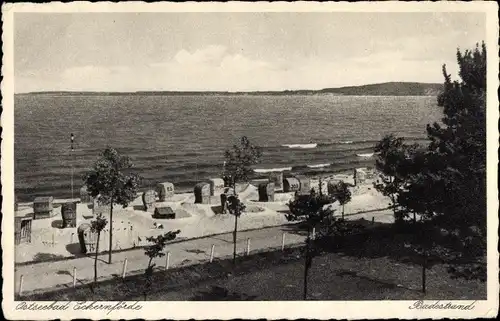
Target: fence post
283	241
314	233
74	276
167	261
124	271
212	253
373	220
21	281
248	246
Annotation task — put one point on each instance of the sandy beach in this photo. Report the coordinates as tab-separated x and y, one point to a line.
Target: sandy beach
131	225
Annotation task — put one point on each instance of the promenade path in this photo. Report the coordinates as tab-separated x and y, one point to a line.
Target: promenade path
49	275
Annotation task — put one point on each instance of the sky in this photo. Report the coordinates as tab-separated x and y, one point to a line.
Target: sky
235	51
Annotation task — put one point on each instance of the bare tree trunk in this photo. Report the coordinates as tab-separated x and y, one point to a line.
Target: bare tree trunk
424	258
393	200
424	267
110	231
306	269
397	217
341	225
234	236
236	213
96	256
147	285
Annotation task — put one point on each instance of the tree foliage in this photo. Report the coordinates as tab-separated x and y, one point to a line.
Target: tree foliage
342	194
445	182
235	205
155	250
112	182
447	179
458	145
238	168
158	244
97	226
110	179
310	208
315	212
239	161
394	163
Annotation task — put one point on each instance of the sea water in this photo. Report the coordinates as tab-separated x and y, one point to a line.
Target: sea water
181	139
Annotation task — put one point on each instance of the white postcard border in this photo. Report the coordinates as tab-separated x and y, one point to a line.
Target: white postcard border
252	310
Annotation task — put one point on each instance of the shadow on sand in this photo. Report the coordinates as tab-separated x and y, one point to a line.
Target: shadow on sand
196	251
75	249
217	209
47	257
57	224
138	208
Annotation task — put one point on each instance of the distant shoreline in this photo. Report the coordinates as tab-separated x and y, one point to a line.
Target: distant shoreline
382	89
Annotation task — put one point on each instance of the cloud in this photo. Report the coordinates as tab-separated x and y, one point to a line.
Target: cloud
217	68
212	54
93	78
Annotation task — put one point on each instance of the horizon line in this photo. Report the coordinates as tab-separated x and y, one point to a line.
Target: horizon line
221	91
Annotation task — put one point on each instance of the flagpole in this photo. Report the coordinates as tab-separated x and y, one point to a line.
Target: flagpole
72	156
224	172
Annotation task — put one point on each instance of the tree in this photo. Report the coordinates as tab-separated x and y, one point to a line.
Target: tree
238	168
393	163
445	183
153	251
235	207
458	153
342	194
111	181
239	161
409	189
312	210
458	145
320	186
448	180
96	226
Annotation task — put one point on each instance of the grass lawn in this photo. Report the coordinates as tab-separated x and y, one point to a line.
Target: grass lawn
332	277
279	275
